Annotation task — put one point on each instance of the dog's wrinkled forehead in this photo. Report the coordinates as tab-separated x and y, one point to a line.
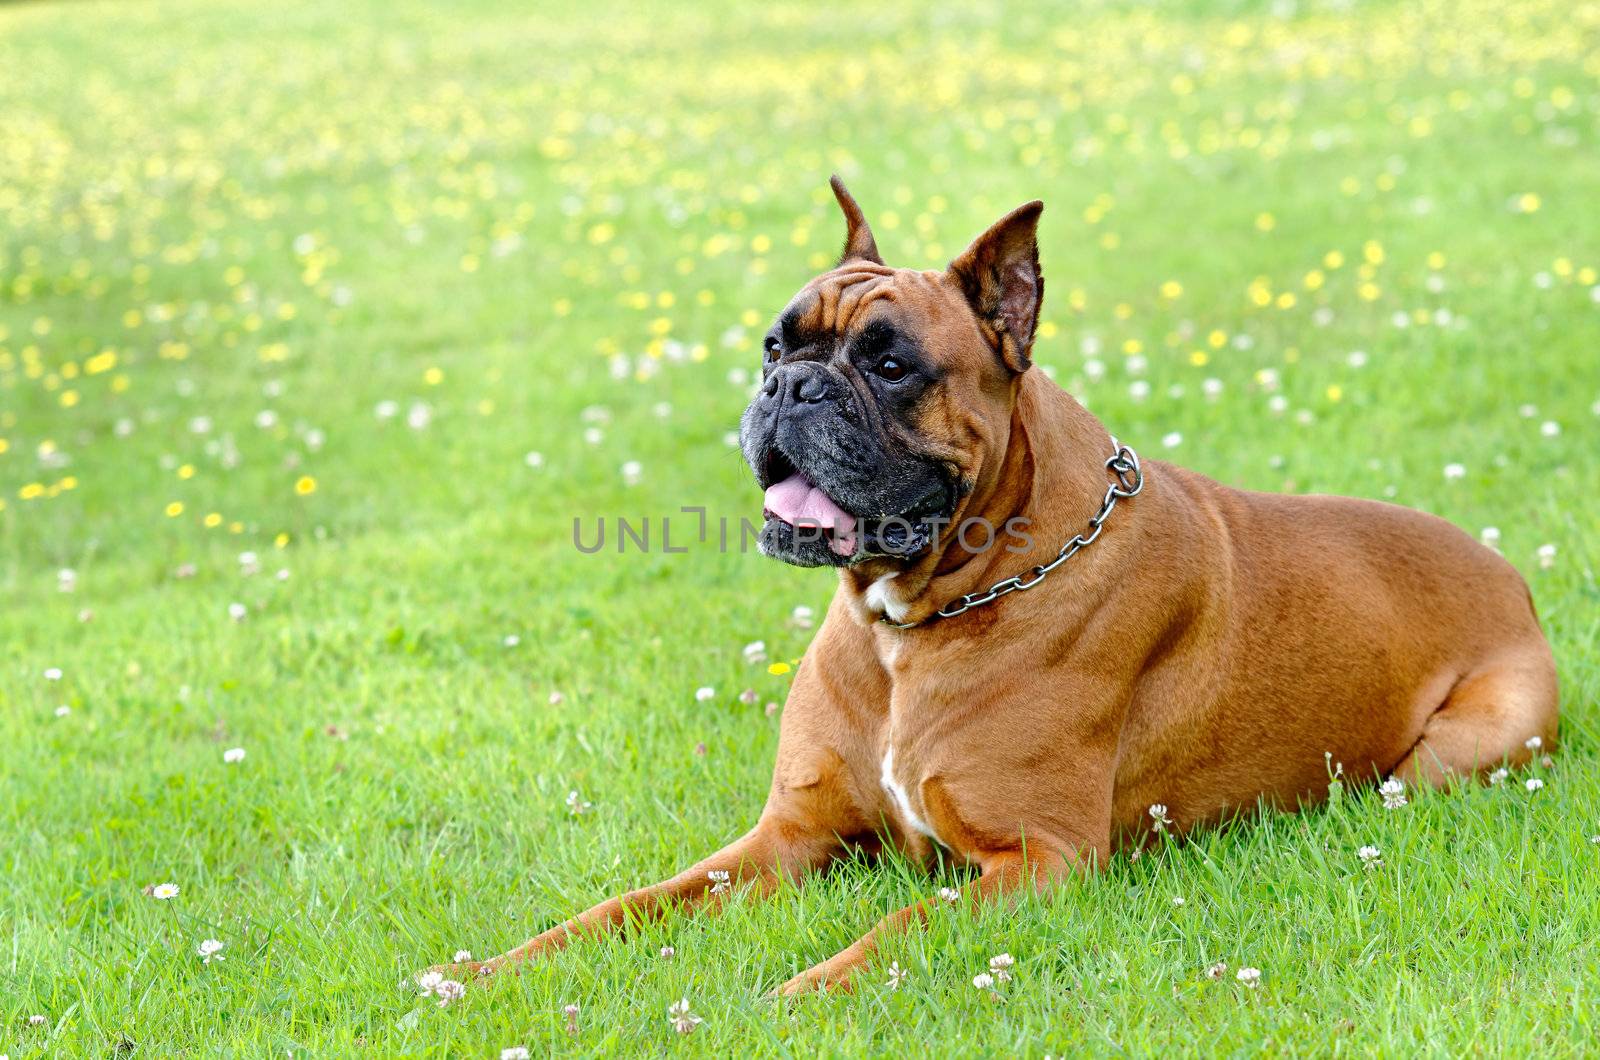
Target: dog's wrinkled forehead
842	302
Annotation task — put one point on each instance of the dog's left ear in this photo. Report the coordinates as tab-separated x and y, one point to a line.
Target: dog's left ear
1000	275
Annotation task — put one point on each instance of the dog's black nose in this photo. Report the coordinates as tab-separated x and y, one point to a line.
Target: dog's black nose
810	388
806	384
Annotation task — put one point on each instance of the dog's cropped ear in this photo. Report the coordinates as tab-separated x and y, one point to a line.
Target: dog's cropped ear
1000	275
858	242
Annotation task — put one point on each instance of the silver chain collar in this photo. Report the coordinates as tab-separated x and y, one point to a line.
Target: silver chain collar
1124	467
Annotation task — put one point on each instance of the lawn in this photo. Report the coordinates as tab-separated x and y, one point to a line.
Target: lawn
320	325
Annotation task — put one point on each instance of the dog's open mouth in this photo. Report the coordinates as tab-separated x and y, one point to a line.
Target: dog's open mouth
795	499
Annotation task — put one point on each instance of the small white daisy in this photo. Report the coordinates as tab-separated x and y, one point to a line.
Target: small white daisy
164	891
897	976
682	1019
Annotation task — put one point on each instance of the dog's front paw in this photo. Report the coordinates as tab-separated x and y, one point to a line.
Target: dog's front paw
817	977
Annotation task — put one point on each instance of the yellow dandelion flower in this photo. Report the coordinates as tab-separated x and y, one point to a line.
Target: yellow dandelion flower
281	541
562	306
1335	392
213	520
778	669
1528	202
1265	222
1436	260
1171	289
304	485
174	509
186	471
31	490
1333	259
433	376
1199	358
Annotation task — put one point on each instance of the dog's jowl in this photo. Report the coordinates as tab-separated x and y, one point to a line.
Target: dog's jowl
1037	636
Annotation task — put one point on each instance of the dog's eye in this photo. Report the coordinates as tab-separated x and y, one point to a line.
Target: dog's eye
892	369
772	347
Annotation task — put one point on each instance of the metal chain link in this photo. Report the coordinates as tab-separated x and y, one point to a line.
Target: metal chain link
1124	467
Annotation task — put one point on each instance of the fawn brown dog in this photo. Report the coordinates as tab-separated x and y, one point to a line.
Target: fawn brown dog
1200	648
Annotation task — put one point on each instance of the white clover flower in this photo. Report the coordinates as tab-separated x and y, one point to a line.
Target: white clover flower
632	473
66	580
801	617
533	458
704	693
1393	791
510	640
667	953
1453	472
1550	428
63	710
1172	439
1158	814
1000	966
1533	743
1179	900
210	950
983	981
1533	784
233	754
428	982
514	1052
897	976
449	990
1547	556
53	674
682	1019
950	894
237	612
1490	536
1370	856
719	880
1217	971
1499	776
575	804
462	955
755	652
1250	977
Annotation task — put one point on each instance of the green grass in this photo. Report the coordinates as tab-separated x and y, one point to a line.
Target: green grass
512	200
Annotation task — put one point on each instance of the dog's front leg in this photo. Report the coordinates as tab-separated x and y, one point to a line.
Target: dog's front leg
1004	873
755	858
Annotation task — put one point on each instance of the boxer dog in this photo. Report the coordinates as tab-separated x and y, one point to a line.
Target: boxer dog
1132	646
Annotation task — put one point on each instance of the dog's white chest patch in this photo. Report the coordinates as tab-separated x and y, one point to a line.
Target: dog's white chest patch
881	597
902	801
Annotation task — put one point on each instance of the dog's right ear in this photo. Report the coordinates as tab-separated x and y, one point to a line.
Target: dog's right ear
858	242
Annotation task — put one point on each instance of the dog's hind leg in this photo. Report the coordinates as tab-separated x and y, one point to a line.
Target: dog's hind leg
1490	718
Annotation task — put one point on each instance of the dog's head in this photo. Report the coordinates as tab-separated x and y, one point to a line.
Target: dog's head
886	393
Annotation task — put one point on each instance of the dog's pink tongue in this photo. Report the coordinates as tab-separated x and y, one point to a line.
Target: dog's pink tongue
795	500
